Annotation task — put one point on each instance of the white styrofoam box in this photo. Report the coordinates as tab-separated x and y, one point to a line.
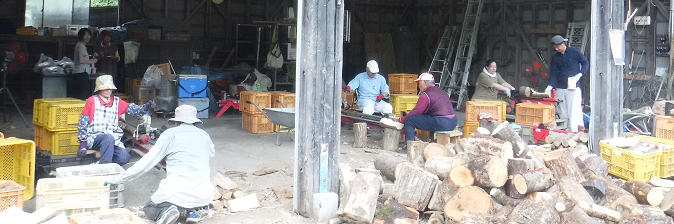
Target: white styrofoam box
102	170
73	194
200	103
660	107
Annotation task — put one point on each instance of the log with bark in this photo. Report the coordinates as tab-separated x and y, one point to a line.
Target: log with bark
360	134
516	166
576	215
532	181
443	192
388	165
520	148
399	213
391	139
415	152
414	186
436	218
532	212
435	150
362	198
656	195
461	176
644	214
467	199
571	190
488	171
500	196
596	164
562	164
600	211
639	189
475	218
440	166
668	203
501	215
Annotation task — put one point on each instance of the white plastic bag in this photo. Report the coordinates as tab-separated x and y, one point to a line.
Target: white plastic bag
274	57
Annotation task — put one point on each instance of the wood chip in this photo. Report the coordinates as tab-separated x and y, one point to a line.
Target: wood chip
265	171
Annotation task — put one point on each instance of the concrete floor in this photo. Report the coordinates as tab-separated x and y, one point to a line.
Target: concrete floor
239	153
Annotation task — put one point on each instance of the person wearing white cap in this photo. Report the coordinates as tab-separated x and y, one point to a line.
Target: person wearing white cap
566	69
489	82
187	150
433	112
371	88
98	128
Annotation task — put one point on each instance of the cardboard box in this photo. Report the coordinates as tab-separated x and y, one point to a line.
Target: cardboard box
663	108
143	94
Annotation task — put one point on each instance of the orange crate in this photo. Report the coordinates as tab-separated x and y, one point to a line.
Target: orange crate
288	99
11	194
469	127
474	108
256	123
262	99
530	113
664	127
402	83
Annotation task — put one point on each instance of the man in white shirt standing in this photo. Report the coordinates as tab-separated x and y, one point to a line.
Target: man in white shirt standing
187	150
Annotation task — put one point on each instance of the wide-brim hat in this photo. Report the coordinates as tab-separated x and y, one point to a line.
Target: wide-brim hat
186	114
104	82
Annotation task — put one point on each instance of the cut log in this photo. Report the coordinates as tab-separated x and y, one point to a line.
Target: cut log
434	150
600	211
562	164
362	198
467	199
656	195
399	213
644	214
571	190
415	152
499	196
638	189
489	171
541	197
346	178
440	166
475	218
414	186
461	176
516	166
501	215
360	135
436	218
532	181
577	216
668	203
579	150
391	139
237	194
596	189
520	148
525	91
443	192
530	212
596	164
388	165
616	195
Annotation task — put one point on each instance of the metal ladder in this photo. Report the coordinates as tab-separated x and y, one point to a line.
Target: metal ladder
465	51
443	54
577	35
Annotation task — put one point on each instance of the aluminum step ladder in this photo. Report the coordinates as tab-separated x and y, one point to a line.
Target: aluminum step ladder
576	32
441	62
464	54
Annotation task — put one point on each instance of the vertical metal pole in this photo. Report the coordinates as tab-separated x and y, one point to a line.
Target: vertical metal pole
606	86
257	53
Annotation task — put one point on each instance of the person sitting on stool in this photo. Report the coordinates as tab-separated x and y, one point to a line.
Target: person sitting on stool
433	112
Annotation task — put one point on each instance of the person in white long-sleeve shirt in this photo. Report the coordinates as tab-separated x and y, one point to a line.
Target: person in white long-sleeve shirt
187	150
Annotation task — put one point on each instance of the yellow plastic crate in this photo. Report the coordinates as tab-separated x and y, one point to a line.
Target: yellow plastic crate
530	113
116	213
17	163
57	142
665	127
629	165
667	159
41	104
474	108
469	127
63	116
12	195
504	107
403	102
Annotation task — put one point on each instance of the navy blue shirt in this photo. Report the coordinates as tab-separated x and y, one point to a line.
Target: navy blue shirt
567	65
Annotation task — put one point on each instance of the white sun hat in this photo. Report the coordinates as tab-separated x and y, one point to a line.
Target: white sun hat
372	66
104	82
186	114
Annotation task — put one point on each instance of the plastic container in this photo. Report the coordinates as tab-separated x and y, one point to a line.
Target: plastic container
504	107
102	170
57	142
530	113
12	196
61	116
629	165
18	163
469	127
201	104
73	194
474	108
262	99
667	159
117	213
288	99
403	102
402	83
256	123
41	104
664	127
192	86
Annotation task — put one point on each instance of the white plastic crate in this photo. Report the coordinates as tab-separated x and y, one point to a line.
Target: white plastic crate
102	170
73	194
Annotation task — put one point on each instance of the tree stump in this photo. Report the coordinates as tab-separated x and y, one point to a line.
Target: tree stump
360	135
516	166
489	171
414	186
562	164
467	199
391	139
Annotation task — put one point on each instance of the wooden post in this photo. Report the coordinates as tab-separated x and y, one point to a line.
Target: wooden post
360	135
317	121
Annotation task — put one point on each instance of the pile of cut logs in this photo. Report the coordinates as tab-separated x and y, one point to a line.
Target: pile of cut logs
497	178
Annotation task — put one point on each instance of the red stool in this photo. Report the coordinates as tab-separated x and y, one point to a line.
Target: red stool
225	104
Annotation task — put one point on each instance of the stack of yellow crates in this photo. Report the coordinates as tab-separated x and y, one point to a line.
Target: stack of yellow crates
473	110
56	124
252	118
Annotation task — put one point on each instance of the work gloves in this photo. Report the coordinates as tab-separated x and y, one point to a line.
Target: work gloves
573	81
508	92
380	97
402	119
548	90
82	151
346	89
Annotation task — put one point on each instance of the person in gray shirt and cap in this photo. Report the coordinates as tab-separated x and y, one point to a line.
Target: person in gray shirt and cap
568	66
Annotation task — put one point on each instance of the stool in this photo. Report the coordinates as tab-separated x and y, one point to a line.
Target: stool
445	137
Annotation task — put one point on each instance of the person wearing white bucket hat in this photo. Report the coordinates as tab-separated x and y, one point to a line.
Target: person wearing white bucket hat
187	150
371	88
98	128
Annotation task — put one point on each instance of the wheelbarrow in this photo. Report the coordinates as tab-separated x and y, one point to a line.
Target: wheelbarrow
284	118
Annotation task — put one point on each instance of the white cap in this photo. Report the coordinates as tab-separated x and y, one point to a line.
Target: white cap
372	66
424	77
104	82
186	114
